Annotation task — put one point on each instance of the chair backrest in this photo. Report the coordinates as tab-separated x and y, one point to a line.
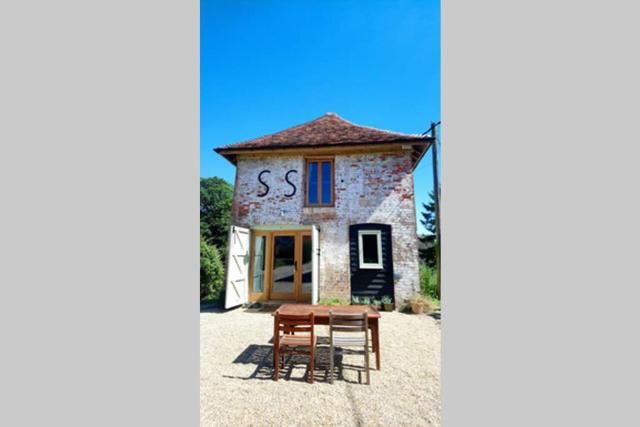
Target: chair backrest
295	323
348	322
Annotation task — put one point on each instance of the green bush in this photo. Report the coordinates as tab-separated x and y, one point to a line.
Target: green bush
429	281
216	197
211	272
333	301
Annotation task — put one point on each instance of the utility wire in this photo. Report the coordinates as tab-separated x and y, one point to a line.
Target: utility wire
429	131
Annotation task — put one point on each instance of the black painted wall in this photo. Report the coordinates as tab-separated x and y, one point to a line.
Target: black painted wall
373	283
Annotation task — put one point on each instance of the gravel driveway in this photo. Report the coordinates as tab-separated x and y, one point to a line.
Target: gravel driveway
237	389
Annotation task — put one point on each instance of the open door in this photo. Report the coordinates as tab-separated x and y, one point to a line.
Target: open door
237	267
315	263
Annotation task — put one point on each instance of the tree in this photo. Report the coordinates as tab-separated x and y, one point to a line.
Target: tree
427	246
429	214
216	196
211	271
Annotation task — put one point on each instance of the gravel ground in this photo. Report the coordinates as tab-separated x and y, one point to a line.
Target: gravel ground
237	389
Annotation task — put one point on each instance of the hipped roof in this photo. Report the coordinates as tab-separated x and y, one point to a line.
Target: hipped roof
330	130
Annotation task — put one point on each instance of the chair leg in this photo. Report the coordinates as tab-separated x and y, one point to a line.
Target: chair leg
313	366
276	361
366	362
331	364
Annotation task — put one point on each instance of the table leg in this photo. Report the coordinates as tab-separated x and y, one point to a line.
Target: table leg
275	355
275	343
375	337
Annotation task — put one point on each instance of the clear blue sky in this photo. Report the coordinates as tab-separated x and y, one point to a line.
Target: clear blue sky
269	65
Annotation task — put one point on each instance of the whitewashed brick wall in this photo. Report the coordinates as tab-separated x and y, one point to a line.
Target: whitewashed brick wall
376	187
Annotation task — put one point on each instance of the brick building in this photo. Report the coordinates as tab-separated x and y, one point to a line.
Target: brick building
324	209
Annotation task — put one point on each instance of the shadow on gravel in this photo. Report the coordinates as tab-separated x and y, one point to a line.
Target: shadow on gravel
261	308
262	357
211	308
435	314
253	308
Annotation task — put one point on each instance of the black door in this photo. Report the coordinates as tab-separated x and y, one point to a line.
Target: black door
371	260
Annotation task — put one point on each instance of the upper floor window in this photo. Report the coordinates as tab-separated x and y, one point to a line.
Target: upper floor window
319	173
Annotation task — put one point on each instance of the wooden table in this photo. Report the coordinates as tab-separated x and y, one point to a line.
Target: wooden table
321	317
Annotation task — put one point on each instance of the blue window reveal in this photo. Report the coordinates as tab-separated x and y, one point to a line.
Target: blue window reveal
326	183
313	183
320	182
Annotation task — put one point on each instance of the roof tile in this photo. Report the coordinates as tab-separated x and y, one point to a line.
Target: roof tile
328	130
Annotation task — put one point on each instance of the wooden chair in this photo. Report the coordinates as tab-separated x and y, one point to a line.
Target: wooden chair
291	325
349	322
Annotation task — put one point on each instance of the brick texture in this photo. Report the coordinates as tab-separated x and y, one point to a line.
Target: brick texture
369	188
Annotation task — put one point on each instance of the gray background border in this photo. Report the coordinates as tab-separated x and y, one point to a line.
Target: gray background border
540	213
99	222
99	171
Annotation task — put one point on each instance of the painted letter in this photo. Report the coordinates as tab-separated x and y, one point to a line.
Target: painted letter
286	178
263	183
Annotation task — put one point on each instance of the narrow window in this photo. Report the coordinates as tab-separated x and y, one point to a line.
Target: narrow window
370	248
258	264
320	182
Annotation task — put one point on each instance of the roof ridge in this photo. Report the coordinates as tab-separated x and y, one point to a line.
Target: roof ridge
377	129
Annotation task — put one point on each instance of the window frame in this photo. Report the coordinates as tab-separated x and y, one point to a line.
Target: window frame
319	160
368	265
263	266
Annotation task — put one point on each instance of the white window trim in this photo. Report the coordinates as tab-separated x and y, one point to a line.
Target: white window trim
365	265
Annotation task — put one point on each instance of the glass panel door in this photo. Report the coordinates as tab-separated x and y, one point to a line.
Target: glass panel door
258	267
305	289
283	273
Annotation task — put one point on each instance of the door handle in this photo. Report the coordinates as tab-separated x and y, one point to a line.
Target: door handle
295	266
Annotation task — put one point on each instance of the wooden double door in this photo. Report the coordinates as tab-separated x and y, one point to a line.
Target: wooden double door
280	266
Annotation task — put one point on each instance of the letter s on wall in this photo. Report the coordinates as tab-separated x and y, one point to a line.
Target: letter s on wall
263	183
286	178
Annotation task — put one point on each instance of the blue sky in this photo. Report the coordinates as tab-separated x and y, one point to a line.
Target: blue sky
269	65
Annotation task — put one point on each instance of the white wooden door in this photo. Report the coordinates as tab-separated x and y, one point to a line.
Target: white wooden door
315	263
237	267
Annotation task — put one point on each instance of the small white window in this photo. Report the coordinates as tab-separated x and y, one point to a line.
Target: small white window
370	248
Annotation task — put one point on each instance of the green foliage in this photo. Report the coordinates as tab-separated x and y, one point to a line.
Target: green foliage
429	281
211	271
333	301
429	214
356	300
427	247
386	299
216	196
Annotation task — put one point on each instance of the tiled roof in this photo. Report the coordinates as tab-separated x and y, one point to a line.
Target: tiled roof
328	130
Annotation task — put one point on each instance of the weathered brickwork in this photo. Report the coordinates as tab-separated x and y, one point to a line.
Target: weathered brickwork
369	188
